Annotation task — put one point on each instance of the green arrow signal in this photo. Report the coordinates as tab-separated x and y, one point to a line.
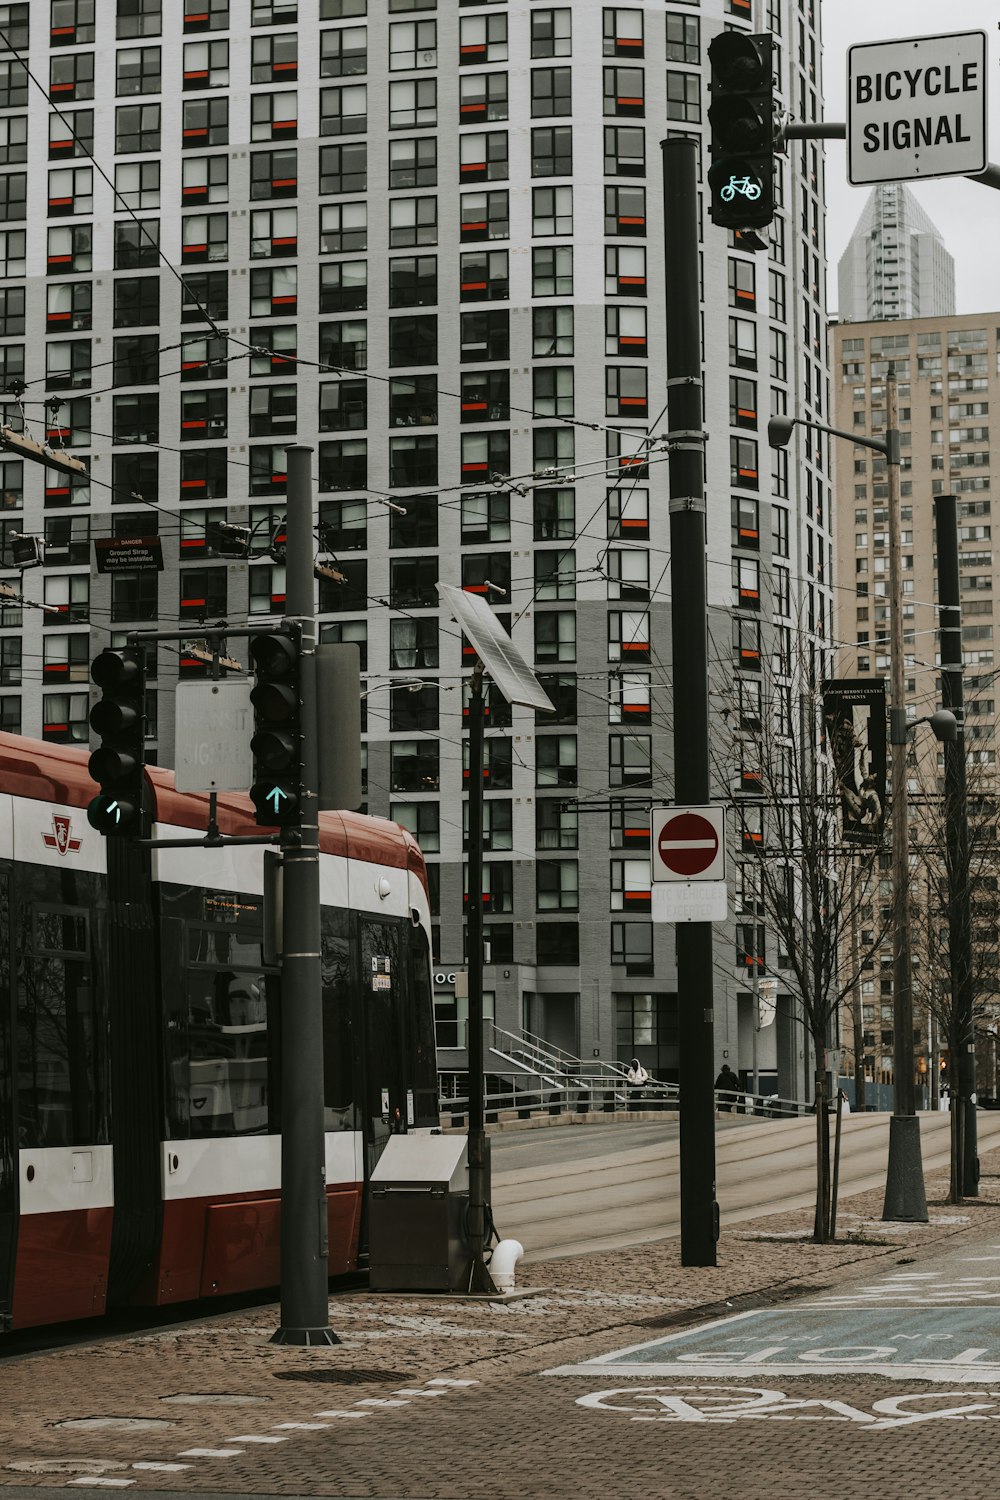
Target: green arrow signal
275	796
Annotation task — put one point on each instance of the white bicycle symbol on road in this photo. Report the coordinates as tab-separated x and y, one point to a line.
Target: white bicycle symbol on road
732	1403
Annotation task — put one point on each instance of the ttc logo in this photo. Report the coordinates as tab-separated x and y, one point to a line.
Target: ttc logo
60	838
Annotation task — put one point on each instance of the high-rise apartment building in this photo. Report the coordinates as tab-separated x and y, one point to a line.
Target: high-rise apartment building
426	239
896	264
948	382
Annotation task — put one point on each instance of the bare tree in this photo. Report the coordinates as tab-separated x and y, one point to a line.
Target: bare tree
812	889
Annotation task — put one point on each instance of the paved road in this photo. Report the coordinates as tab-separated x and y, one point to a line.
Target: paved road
574	1395
597	1187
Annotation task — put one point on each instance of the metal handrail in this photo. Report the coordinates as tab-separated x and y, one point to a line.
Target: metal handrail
597	1092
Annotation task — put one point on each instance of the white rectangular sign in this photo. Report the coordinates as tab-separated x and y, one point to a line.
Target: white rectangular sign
916	107
701	901
213	728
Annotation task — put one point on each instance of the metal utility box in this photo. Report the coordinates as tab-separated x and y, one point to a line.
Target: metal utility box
419	1203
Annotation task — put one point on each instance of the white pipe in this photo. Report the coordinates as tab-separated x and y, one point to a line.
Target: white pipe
502	1262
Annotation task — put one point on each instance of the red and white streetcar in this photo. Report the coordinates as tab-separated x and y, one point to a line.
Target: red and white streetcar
140	1061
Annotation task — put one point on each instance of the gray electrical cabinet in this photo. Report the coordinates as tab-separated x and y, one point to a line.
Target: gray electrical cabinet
417	1239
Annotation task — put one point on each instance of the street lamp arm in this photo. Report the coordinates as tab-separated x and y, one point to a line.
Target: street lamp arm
779	430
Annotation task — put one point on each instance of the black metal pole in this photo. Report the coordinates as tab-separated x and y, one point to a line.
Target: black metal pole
957	840
689	638
480	1279
304	1233
905	1195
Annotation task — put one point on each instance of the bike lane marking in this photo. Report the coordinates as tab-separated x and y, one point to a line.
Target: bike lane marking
938	1343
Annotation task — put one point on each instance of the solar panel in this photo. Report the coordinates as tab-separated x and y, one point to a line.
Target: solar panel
495	649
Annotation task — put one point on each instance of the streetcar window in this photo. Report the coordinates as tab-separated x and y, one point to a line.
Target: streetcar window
219	1022
58	1083
60	931
340	1110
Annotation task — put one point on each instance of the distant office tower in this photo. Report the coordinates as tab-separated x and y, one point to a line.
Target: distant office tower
895	264
425	239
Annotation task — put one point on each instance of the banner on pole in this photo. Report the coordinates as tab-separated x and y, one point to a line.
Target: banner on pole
854	734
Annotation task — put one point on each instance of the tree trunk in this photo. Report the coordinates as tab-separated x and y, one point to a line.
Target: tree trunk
821	1222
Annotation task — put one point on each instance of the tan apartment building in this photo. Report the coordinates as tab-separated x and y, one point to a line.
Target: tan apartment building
948	383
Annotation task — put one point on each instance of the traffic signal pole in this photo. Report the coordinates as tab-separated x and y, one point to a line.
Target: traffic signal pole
689	638
304	1233
956	815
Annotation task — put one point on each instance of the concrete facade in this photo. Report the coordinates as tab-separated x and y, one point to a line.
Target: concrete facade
459	244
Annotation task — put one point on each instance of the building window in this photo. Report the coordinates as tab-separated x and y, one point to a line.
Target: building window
343	52
342	226
551	92
72	22
555	635
273	232
554	514
71	133
552	271
482	96
343	285
413	161
206	65
204	122
71	191
555	760
625	210
14	137
412	103
482	39
413	340
204	237
275	117
485	335
624	91
557	885
485	216
625	391
625	270
412	221
632	947
205	179
684	97
67	597
274	59
413	44
137	70
551	211
484	276
137	184
552	331
483	156
136	245
71	76
137	128
413	401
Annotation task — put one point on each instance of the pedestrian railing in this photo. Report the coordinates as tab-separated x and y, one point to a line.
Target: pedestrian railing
509	1097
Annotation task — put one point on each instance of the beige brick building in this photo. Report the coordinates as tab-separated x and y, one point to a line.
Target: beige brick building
948	382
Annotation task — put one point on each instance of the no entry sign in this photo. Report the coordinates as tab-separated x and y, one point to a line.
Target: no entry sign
688	843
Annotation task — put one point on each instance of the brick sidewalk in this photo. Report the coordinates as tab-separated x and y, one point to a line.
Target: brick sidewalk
214	1407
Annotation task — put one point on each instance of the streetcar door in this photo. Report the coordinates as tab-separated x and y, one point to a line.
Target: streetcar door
381	985
8	1148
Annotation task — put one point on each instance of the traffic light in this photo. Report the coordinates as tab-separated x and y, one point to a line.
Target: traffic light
120	720
277	738
741	115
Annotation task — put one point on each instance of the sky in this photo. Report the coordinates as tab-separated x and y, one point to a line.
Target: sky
966	212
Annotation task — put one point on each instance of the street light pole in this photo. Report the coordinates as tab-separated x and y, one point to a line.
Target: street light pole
905	1198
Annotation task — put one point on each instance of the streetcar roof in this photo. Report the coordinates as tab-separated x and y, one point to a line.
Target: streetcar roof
47	772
